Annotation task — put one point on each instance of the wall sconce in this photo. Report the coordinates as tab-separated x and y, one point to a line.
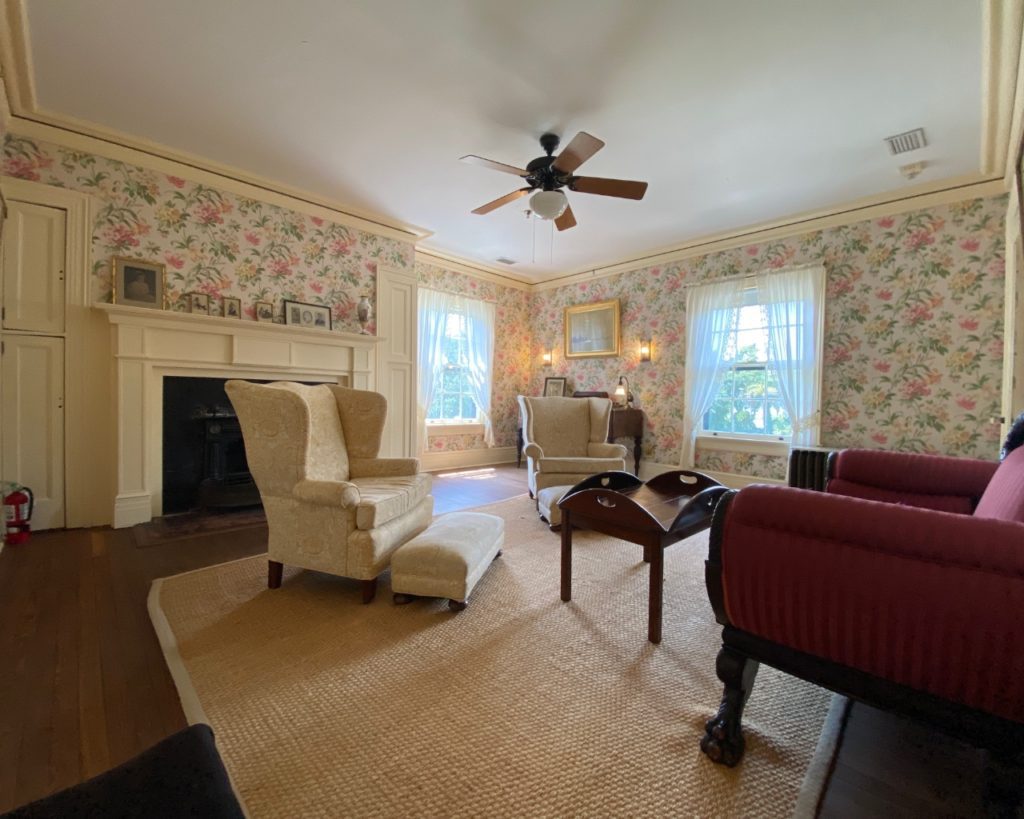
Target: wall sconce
622	396
645	349
547	358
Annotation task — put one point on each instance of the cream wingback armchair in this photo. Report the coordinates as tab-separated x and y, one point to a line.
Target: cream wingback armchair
332	505
564	440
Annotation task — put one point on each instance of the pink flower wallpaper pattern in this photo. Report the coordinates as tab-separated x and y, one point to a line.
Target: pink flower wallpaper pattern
913	335
914	305
212	241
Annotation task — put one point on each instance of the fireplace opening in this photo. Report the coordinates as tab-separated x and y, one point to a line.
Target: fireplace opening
204	464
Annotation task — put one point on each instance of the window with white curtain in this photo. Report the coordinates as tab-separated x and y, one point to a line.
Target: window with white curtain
753	362
456	360
453	402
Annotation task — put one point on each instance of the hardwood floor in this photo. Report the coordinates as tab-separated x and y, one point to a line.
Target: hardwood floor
84	686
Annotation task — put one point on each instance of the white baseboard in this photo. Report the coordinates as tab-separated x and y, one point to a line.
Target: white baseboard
648	470
466	458
133	508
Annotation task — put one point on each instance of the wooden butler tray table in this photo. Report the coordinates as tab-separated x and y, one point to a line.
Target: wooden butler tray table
656	514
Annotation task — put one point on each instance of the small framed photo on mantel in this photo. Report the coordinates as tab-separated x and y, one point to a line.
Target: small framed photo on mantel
232	307
264	311
198	303
301	314
137	283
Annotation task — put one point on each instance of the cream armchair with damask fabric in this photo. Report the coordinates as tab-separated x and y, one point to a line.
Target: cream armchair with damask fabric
565	440
332	505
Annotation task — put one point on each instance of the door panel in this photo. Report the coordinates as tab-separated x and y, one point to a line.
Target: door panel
33	268
32	438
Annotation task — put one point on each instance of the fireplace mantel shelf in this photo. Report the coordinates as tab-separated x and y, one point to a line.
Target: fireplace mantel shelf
120	313
149	345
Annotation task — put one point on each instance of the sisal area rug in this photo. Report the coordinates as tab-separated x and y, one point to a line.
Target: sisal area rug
521	705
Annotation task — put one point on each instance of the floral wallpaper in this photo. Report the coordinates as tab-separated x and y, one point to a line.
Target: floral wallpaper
512	363
913	333
212	241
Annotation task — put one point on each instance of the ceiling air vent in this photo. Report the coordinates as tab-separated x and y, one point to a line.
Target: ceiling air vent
907	141
505	260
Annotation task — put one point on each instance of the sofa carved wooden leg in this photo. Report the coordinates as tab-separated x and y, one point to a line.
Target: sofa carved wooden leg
274	570
456	605
723	742
369	588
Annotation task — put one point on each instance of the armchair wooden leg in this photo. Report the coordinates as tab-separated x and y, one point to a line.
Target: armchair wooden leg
274	570
723	742
369	590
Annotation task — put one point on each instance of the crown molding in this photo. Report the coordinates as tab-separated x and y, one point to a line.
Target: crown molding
16	57
857	211
1000	57
1002	101
470	268
66	132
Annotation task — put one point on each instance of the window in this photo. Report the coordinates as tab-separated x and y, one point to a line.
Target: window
456	358
753	358
453	403
748	401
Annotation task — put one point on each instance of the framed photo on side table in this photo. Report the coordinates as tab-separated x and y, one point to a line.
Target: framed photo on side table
138	283
554	386
317	316
231	307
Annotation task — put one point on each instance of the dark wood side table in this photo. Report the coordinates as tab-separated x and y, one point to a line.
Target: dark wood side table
654	515
627	422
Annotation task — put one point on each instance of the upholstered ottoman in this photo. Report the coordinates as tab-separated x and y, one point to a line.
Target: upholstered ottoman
547	504
448	558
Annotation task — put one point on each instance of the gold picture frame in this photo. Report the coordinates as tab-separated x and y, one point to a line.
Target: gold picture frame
592	330
137	283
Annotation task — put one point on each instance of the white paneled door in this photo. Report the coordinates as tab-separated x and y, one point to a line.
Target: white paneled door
32	356
32	438
33	268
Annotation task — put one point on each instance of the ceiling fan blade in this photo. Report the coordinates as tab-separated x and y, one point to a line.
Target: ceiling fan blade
494	166
582	147
566	220
504	200
623	188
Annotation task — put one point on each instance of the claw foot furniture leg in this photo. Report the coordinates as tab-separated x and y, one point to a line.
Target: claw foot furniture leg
274	570
723	742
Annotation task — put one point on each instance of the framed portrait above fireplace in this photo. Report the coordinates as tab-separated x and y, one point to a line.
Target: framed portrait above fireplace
138	283
592	330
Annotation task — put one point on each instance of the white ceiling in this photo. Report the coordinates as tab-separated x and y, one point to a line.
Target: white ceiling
735	112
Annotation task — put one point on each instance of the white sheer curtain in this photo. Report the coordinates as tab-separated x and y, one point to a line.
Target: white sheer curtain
793	302
480	353
712	315
434	307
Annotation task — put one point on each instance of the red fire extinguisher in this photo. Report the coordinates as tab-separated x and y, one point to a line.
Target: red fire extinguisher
17	514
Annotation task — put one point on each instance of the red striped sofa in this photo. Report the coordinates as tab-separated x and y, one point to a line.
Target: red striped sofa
901	586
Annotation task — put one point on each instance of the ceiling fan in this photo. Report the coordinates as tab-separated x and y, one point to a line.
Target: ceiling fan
548	175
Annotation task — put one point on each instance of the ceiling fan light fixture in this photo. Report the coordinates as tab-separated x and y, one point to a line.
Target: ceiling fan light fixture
548	204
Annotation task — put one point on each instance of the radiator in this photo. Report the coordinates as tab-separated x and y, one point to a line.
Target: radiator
807	468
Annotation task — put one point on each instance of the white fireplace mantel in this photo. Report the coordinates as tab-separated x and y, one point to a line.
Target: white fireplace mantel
150	344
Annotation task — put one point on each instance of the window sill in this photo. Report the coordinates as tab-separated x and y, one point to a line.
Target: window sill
753	446
439	430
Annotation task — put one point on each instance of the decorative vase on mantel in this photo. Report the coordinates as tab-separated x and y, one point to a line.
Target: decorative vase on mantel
364	310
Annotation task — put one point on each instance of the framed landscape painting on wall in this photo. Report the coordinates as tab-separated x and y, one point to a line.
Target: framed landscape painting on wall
592	330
